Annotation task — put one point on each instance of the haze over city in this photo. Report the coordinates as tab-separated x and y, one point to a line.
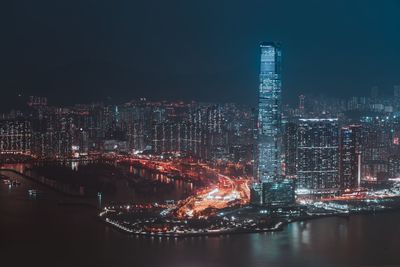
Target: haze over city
84	51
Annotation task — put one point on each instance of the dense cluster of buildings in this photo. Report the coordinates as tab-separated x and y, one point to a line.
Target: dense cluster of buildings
320	146
200	130
323	146
336	151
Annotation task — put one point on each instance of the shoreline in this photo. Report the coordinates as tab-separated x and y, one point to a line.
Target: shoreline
280	226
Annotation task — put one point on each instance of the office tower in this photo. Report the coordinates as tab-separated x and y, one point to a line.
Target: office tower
80	141
268	144
137	120
268	184
279	193
15	137
317	155
273	193
394	166
376	142
350	157
301	104
167	137
53	135
290	148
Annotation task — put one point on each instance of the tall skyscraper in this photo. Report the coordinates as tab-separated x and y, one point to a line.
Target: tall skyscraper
394	166
317	155
350	157
268	144
301	104
269	188
290	148
15	137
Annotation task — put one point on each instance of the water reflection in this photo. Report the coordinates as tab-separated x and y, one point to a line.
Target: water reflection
364	240
19	167
178	189
99	200
142	185
74	165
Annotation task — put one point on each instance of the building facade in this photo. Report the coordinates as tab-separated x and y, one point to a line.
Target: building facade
15	137
350	157
267	165
290	139
279	193
317	155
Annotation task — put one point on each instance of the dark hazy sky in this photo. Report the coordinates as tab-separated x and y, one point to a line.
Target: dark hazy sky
79	51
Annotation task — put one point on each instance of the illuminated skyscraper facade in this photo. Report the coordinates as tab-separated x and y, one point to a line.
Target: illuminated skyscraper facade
267	165
15	137
317	155
350	156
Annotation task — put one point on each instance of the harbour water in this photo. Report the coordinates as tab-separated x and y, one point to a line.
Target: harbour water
38	231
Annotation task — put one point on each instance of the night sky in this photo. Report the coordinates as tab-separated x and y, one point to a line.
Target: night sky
90	50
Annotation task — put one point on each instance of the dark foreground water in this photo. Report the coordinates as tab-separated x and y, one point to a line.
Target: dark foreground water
39	232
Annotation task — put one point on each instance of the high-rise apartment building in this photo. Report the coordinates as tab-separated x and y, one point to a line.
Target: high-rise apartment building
15	137
317	155
350	156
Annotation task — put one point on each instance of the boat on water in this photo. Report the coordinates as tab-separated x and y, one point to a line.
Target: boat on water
34	192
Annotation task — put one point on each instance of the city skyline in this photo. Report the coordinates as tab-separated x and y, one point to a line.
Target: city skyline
153	133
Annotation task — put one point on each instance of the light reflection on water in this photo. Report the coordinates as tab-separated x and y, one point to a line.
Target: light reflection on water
20	167
32	227
180	189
